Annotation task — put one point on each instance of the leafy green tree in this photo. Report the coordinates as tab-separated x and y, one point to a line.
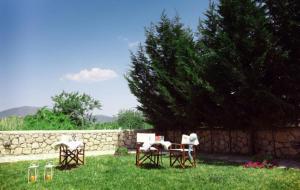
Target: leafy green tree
130	119
78	107
47	120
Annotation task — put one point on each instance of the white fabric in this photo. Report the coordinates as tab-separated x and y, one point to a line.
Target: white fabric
180	149
194	139
148	140
191	139
67	141
165	144
148	146
147	149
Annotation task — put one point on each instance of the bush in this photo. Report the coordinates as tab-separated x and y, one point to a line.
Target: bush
130	119
107	125
121	151
11	123
46	119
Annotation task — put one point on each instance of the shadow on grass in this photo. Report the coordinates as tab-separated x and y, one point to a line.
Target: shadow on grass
150	166
217	162
66	167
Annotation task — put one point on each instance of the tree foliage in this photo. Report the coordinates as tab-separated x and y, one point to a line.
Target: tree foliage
130	119
47	120
241	69
78	107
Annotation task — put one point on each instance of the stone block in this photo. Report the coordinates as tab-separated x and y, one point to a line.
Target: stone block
18	151
15	141
23	145
49	142
21	140
26	151
35	145
39	139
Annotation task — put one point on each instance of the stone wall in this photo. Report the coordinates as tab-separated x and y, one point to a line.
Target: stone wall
40	142
280	142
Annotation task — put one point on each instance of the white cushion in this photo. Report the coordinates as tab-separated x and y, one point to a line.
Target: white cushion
147	149
180	149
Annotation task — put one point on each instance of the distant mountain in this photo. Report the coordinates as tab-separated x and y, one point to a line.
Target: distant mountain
19	111
30	110
104	118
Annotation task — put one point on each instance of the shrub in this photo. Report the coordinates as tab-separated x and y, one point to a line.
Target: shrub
121	151
107	125
47	119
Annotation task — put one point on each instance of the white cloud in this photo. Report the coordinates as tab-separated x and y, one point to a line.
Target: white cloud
92	75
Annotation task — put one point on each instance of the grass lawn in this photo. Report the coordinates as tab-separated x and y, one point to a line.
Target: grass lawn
110	172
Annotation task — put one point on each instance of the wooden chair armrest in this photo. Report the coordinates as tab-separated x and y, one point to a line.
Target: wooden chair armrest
176	146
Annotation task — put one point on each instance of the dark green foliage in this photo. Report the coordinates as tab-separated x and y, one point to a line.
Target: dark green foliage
166	76
284	67
237	70
78	107
242	71
46	119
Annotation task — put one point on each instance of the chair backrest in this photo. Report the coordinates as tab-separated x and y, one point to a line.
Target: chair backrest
185	139
191	139
145	137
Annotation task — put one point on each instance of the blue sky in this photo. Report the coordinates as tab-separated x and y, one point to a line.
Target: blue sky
47	46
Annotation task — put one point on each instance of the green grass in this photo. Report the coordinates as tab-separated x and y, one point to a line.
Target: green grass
110	172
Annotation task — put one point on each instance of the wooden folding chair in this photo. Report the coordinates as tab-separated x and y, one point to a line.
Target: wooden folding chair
179	153
66	156
144	150
80	154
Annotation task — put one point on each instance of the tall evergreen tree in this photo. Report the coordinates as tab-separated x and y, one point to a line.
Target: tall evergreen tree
166	76
284	66
229	77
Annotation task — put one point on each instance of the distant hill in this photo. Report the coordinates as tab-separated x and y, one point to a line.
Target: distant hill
104	118
19	111
30	110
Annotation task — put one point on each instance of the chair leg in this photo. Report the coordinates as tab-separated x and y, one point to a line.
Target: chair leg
194	157
59	154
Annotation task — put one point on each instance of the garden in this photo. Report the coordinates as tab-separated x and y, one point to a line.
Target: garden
233	83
